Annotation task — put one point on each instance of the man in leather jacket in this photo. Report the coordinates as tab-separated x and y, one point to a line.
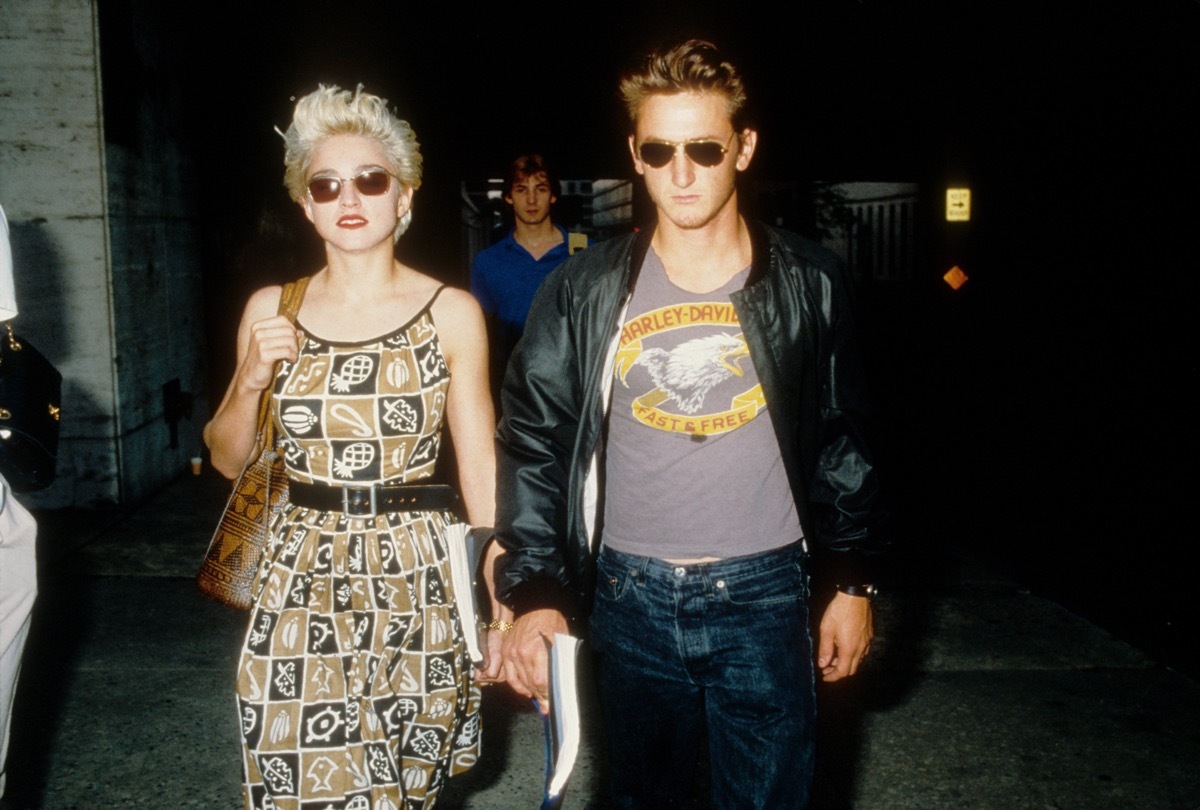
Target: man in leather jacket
683	424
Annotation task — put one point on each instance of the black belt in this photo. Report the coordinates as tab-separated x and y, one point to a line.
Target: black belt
370	501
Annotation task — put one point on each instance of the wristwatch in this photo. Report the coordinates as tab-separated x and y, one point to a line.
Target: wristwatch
868	591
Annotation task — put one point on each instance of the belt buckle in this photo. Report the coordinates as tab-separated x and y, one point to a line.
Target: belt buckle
359	502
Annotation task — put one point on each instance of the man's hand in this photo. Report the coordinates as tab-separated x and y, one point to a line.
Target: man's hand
845	636
526	664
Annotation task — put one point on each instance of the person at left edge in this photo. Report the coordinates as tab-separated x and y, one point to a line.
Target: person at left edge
354	685
18	562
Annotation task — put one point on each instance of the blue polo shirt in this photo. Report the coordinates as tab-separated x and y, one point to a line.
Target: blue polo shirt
505	276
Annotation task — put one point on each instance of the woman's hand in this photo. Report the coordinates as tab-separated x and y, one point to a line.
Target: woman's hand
264	337
271	340
493	668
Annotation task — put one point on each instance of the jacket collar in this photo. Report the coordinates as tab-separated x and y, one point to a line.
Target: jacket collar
760	252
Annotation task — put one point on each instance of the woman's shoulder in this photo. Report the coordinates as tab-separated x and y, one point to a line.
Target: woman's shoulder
456	299
455	310
263	303
440	297
457	316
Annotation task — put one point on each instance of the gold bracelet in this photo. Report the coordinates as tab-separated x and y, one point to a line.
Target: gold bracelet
501	625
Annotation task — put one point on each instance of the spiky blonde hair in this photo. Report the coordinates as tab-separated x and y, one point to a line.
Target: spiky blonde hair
330	110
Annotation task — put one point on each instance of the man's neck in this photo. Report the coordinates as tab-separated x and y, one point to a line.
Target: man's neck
703	259
537	239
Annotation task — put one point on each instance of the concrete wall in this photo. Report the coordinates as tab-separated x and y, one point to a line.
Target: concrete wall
104	246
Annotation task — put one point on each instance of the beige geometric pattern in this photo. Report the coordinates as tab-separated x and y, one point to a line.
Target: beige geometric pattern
354	688
362	412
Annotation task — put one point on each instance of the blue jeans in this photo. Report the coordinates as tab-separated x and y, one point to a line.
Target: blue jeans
721	649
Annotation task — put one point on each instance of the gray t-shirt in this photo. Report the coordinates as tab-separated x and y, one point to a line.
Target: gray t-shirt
692	465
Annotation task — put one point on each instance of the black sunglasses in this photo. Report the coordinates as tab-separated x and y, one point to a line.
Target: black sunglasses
370	183
657	154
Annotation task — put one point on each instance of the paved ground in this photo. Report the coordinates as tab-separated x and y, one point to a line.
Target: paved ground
979	694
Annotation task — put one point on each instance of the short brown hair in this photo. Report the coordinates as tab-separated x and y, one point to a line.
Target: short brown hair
527	166
694	66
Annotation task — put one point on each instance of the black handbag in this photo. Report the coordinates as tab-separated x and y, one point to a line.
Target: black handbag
30	399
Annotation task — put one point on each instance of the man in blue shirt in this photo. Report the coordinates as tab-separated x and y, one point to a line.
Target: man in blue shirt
505	276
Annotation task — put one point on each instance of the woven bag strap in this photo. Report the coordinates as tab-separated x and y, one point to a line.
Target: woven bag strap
292	297
289	305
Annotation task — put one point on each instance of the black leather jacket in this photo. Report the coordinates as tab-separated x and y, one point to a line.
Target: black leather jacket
797	316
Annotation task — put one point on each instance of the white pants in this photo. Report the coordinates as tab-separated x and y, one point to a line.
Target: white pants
18	587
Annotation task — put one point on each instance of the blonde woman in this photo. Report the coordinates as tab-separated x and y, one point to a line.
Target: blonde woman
354	689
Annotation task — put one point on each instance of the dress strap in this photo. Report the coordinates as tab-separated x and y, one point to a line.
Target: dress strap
426	311
436	293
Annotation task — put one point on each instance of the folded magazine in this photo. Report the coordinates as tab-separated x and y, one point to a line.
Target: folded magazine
562	723
466	546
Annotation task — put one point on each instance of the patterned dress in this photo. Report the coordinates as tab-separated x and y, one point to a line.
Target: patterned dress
354	686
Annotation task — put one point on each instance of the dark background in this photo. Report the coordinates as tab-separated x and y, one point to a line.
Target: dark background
1042	416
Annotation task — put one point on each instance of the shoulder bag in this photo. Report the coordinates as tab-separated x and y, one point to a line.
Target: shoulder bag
231	563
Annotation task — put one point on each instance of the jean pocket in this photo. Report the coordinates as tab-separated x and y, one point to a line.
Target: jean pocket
784	584
613	579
